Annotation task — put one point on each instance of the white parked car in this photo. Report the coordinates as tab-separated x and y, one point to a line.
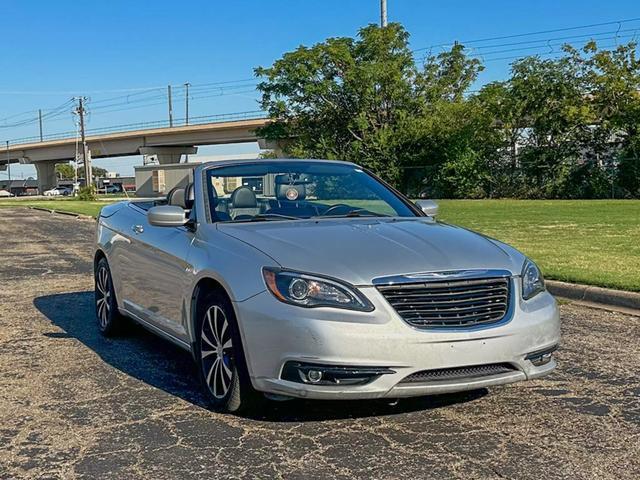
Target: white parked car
5	194
314	279
54	192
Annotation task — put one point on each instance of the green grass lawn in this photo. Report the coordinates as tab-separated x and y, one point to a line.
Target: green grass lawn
596	242
61	205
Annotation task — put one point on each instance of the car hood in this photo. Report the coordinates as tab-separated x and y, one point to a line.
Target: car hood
359	250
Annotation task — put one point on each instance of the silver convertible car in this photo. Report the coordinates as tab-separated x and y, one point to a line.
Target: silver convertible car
315	279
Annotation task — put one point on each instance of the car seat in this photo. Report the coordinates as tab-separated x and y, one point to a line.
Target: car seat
244	203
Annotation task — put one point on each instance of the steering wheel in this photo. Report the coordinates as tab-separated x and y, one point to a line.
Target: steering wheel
336	207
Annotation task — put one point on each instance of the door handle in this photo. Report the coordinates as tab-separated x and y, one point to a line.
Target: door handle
137	229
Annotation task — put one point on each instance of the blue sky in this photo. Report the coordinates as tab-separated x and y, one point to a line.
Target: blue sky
53	50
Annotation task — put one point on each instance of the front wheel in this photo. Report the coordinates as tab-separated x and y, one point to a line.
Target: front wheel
107	314
220	357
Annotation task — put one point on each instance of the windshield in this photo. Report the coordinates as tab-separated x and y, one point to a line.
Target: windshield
272	190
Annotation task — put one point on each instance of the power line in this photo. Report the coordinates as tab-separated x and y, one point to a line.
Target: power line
538	54
127	100
51	113
537	47
616	32
161	100
140	98
541	32
96	92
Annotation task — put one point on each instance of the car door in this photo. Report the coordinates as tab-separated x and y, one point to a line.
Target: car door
158	275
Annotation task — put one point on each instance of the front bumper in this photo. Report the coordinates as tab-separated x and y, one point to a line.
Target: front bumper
274	333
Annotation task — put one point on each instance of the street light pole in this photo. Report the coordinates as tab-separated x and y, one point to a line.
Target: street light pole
40	121
383	13
170	106
186	105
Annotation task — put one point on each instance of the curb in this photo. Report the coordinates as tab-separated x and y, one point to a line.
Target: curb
588	293
42	209
59	212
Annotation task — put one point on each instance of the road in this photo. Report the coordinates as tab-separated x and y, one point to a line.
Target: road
76	405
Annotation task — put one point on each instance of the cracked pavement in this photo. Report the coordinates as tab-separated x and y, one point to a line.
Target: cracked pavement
76	405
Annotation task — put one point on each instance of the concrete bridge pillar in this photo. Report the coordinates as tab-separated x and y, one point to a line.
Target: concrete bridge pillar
46	172
277	146
167	155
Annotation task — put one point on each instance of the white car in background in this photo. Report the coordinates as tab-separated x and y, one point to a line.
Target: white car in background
54	192
4	194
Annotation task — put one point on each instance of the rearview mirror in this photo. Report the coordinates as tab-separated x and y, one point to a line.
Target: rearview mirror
166	216
428	207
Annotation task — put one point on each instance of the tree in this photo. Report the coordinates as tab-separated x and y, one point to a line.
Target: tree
343	98
614	81
98	172
562	121
449	134
65	171
563	127
363	100
448	75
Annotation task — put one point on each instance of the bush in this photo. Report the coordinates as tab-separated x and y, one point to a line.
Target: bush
629	176
87	193
462	177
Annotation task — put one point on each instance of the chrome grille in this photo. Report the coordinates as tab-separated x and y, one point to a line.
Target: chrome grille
449	374
452	303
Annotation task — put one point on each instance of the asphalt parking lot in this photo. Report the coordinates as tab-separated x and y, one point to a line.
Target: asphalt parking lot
76	405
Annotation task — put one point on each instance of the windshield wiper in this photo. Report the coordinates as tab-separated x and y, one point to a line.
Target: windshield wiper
354	213
264	217
364	213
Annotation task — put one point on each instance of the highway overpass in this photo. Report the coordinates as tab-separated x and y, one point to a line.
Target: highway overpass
168	143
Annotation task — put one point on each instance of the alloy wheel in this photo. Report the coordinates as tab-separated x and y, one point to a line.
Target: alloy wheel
216	350
103	296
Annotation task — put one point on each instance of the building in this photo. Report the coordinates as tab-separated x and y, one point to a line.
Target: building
158	180
153	180
123	183
20	187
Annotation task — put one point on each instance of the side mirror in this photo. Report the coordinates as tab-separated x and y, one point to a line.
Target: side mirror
167	216
428	207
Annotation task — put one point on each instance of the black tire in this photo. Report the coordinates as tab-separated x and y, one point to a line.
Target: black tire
108	317
219	356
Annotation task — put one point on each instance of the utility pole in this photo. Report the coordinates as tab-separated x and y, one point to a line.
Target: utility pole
9	166
88	179
186	105
170	106
75	163
40	121
383	13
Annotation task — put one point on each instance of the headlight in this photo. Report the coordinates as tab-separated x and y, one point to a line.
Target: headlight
532	280
311	291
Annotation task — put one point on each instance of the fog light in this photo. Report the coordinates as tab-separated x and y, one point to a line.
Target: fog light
541	357
318	374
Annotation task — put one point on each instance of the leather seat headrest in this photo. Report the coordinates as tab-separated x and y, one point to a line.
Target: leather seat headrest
291	193
243	197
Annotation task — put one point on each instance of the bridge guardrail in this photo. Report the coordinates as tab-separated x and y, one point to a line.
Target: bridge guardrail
180	122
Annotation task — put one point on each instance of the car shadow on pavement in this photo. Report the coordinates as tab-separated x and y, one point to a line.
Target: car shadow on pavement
135	351
309	410
150	359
